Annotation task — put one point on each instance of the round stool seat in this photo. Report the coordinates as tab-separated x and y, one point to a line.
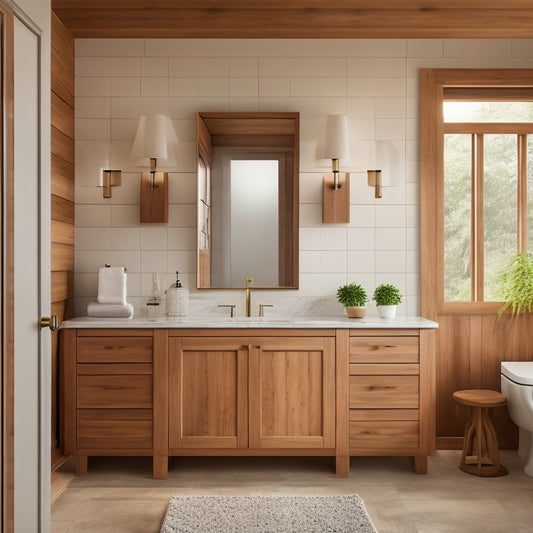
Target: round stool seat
480	398
480	455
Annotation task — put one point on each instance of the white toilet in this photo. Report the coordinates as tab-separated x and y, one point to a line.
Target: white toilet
517	385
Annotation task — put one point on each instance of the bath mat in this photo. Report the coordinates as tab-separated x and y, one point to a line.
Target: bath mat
267	514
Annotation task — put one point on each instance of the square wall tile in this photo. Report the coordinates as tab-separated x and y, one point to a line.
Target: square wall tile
389	239
309	261
243	67
333	261
93	216
181	239
154	238
125	87
360	262
309	238
154	66
333	238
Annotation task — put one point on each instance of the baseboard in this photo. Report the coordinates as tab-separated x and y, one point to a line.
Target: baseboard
449	443
60	479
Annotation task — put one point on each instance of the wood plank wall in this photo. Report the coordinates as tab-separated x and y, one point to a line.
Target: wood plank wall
62	199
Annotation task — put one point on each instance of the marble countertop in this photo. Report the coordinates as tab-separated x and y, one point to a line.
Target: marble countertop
328	322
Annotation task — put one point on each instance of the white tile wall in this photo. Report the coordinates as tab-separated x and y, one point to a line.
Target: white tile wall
375	82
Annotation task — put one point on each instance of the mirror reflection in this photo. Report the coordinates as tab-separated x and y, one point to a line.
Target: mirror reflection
247	200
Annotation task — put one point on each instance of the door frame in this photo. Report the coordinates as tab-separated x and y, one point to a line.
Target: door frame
7	293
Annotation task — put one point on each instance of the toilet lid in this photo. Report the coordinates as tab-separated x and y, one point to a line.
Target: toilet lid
519	371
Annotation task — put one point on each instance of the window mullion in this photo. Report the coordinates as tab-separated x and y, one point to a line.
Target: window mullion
477	224
522	193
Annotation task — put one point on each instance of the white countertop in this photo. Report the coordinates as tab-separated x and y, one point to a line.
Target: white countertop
331	322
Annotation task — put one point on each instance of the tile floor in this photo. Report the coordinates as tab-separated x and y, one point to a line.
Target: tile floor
118	494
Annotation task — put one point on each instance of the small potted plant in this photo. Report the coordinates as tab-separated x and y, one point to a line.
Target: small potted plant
516	289
387	297
353	296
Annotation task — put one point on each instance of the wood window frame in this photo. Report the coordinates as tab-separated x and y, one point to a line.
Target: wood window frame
436	85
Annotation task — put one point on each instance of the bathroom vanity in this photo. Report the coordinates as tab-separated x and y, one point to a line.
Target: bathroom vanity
302	387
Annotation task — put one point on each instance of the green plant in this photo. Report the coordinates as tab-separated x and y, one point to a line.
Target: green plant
352	295
516	288
387	295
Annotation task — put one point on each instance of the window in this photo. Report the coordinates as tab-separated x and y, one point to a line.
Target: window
488	154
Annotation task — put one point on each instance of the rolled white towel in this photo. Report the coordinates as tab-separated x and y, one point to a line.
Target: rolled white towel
112	287
110	310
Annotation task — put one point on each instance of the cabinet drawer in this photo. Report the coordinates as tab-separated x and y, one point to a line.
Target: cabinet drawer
384	350
373	369
114	429
393	392
115	349
116	391
384	435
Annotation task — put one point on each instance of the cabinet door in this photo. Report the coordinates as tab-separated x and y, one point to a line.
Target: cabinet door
292	392
208	380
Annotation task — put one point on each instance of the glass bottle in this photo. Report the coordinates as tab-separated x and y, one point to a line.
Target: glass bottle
177	299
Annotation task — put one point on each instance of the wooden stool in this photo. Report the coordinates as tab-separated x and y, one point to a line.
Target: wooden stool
480	449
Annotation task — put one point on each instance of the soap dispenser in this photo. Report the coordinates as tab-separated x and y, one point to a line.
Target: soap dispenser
177	299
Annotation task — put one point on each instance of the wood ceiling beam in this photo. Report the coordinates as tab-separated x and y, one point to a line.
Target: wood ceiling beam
291	22
293	4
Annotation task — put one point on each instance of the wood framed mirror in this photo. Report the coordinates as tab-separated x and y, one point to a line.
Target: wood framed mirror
248	182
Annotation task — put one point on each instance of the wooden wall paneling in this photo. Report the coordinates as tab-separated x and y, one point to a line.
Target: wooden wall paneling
60	286
62	232
62	257
62	197
62	61
62	145
62	209
62	116
453	373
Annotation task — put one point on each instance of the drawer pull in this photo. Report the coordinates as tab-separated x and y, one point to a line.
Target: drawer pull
390	345
382	387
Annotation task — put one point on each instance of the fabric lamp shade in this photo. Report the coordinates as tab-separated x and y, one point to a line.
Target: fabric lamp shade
388	160
151	140
336	145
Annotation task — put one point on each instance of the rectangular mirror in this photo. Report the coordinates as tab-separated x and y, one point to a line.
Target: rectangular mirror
248	170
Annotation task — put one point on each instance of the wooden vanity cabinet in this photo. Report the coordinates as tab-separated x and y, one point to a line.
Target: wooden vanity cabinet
183	391
107	396
390	394
255	394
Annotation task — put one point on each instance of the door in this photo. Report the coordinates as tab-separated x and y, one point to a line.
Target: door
292	392
208	393
31	237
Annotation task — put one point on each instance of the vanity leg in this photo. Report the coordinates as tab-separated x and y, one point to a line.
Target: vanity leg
421	464
342	465
160	467
80	465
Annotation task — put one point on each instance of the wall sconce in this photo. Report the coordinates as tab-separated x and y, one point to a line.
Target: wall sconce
336	186
151	143
108	179
387	158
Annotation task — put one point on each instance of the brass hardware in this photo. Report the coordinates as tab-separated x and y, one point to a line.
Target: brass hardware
262	308
232	309
249	281
51	322
335	169
374	180
110	178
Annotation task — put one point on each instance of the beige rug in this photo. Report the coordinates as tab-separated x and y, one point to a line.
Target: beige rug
267	514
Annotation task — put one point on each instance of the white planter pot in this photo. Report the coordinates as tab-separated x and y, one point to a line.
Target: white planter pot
386	311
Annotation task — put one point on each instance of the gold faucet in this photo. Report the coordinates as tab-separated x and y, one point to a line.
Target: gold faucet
249	281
